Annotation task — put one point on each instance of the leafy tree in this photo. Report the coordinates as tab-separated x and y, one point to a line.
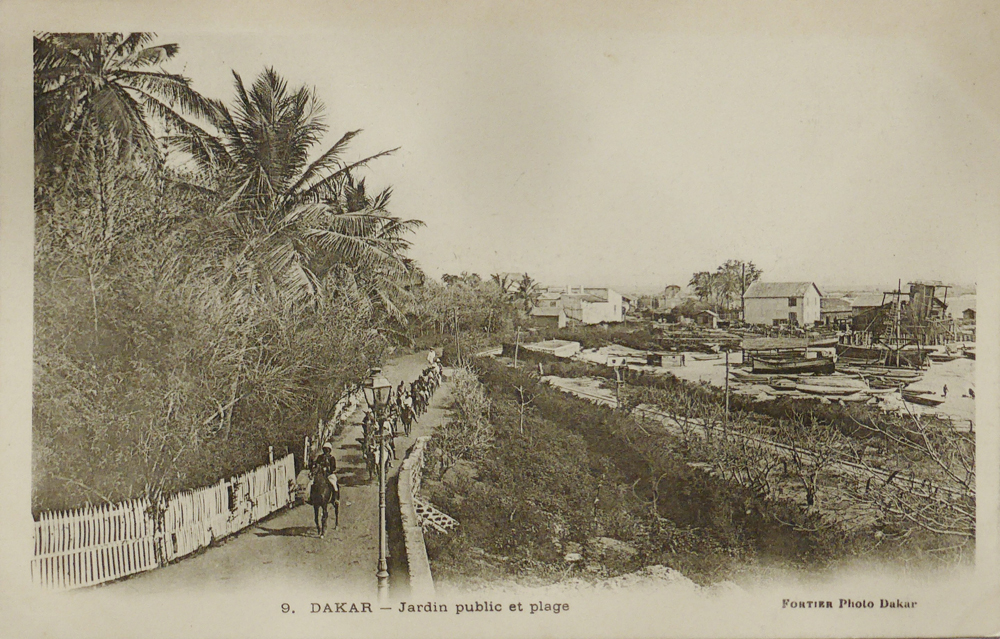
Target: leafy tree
284	224
703	284
173	344
99	93
735	277
97	99
506	283
466	278
726	286
528	292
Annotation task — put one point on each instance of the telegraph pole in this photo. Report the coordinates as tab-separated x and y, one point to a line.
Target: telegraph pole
743	307
727	386
517	344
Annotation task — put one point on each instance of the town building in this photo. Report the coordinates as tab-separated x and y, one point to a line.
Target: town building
555	347
776	303
670	297
548	317
583	305
709	319
835	312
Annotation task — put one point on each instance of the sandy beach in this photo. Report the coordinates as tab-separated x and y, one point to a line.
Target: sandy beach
959	375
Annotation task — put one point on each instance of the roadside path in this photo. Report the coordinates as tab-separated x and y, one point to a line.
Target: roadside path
285	548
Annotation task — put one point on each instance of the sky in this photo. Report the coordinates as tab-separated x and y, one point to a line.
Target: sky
633	152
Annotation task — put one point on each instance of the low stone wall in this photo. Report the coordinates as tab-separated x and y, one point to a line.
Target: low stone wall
410	474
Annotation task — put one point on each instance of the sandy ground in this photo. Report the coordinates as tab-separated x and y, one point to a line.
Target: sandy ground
959	375
712	371
285	548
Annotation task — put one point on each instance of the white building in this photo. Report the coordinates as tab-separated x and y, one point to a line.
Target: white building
584	305
773	303
556	347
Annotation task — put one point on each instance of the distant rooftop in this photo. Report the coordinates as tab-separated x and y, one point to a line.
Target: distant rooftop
546	311
834	305
761	290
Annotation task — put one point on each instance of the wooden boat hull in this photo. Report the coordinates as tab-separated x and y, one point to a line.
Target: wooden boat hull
941	358
881	355
821	365
825	390
923	400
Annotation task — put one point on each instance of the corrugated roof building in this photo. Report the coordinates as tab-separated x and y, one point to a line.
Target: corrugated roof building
775	303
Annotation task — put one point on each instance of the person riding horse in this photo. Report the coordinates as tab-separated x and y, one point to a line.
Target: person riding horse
326	465
325	489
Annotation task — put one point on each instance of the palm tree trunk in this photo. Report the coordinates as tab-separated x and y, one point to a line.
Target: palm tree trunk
235	385
93	298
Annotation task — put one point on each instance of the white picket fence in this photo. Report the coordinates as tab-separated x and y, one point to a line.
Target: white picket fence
88	546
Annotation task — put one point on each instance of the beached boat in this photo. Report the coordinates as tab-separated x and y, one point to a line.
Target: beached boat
907	374
941	358
857	397
878	354
823	342
822	365
918	397
782	383
819	389
701	357
746	376
881	383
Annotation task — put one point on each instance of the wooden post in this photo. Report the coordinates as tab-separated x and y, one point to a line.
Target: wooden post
517	345
270	454
727	386
305	453
458	344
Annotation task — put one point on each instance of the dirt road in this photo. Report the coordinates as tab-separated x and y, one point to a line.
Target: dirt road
286	549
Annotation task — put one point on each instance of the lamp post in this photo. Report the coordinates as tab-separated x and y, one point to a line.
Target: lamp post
376	391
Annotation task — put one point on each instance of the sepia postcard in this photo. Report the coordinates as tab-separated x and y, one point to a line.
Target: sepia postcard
500	319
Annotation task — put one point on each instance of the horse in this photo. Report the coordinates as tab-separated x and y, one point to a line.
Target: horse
321	495
408	418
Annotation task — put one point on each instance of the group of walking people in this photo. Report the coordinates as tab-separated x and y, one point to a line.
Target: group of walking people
405	405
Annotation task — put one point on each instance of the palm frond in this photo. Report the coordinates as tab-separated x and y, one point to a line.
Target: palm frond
176	89
325	187
330	159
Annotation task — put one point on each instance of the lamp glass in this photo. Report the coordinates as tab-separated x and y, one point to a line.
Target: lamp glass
376	389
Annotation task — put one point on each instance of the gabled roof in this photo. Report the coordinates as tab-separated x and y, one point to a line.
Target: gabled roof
761	290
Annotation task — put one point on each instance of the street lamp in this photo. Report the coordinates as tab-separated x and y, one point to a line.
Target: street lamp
377	389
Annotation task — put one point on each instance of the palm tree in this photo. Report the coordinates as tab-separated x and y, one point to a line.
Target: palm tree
98	93
506	284
528	292
283	225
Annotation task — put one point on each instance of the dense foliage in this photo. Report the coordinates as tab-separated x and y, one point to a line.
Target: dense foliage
575	473
202	290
